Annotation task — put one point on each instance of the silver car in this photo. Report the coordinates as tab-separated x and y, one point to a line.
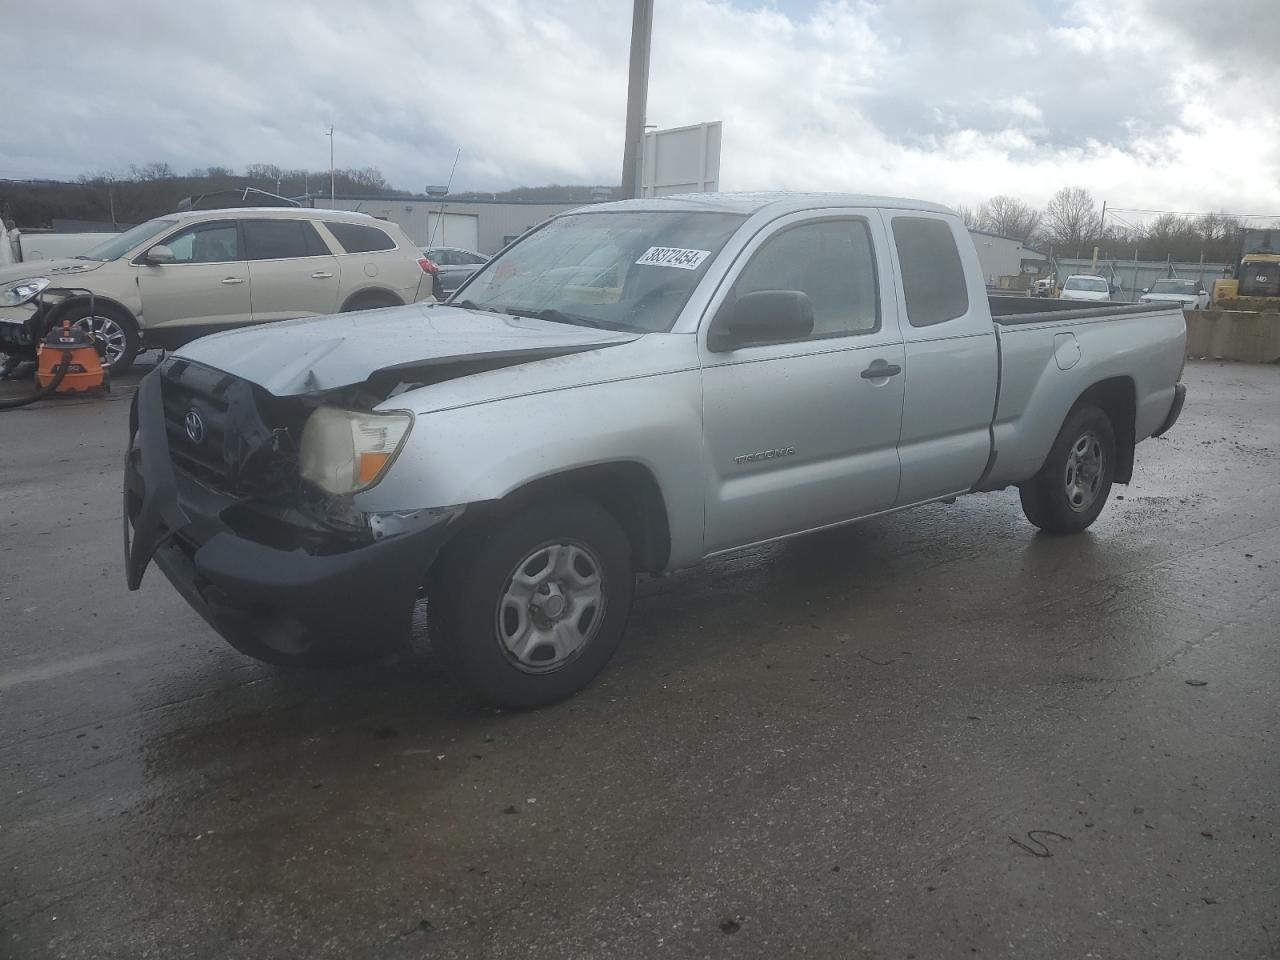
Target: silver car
455	264
631	387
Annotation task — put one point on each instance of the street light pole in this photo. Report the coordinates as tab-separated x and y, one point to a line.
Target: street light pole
637	95
330	136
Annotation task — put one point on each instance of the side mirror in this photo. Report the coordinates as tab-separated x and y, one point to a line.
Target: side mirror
1201	293
766	316
160	254
1146	289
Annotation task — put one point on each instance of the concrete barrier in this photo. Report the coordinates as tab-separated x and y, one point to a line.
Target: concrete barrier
1233	335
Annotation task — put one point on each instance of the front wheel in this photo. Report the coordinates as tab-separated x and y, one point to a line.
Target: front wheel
527	610
117	331
1072	487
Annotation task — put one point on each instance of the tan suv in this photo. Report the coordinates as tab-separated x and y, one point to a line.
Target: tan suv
182	276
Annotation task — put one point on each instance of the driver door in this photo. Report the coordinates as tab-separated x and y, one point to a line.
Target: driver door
204	289
804	434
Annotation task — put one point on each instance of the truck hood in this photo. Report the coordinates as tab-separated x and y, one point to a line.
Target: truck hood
58	271
413	343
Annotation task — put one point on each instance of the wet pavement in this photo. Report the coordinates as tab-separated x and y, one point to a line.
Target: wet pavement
934	734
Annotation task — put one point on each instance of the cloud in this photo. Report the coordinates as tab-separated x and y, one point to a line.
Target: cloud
1148	103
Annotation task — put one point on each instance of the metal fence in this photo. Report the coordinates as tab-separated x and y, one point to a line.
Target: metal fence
1133	276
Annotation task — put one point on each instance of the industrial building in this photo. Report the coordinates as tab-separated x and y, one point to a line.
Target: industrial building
1008	257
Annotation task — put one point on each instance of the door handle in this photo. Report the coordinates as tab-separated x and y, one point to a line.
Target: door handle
881	371
233	280
321	275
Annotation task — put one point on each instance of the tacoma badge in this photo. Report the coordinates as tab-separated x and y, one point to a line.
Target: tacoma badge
765	455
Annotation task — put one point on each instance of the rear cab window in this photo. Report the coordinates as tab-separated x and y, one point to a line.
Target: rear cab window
933	280
358	238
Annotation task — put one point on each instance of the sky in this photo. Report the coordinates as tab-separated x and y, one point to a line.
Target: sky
1147	103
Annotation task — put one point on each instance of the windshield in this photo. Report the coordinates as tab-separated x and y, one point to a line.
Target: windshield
1092	284
1174	286
119	246
630	270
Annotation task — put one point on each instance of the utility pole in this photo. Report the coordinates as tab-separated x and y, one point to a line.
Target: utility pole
111	202
637	96
1102	227
330	136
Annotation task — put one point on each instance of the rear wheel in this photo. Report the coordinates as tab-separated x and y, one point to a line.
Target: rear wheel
1071	489
528	610
117	331
371	301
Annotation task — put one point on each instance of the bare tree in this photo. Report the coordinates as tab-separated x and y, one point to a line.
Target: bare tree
156	170
262	171
369	178
967	214
1071	219
1008	216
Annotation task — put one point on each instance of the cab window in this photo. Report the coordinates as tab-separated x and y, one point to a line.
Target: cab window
832	262
932	276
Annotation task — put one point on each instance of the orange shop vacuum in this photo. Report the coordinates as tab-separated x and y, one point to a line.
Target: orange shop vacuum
69	362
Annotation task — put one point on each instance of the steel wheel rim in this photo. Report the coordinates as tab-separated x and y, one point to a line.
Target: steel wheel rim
551	607
1085	463
112	333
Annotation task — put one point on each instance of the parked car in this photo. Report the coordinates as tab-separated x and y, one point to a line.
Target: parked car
1084	287
746	368
1189	294
1042	287
456	265
171	280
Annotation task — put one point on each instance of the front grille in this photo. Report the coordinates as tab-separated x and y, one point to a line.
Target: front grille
217	433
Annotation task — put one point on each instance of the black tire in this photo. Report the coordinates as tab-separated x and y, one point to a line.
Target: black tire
1069	492
79	314
371	301
466	612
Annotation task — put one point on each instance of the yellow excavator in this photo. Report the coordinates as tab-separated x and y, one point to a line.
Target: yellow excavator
1256	285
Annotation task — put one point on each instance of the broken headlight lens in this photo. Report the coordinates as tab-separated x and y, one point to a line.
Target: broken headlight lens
20	291
344	451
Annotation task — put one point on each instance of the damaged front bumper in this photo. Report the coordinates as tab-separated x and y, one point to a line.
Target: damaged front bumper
270	593
20	331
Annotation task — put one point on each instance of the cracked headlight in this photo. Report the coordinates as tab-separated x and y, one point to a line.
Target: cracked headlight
344	451
20	291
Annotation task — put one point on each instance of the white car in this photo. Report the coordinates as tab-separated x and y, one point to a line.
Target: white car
1081	286
1189	293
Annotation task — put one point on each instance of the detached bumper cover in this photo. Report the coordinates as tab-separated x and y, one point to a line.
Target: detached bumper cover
259	597
1179	398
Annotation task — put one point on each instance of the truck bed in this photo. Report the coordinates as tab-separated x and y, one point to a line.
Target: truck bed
1051	351
1008	311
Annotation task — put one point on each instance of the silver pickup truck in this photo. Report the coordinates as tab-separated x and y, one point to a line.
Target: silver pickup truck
629	388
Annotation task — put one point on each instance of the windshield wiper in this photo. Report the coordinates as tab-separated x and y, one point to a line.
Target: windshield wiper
472	305
559	316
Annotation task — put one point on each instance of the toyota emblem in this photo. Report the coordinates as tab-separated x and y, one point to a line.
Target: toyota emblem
194	424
